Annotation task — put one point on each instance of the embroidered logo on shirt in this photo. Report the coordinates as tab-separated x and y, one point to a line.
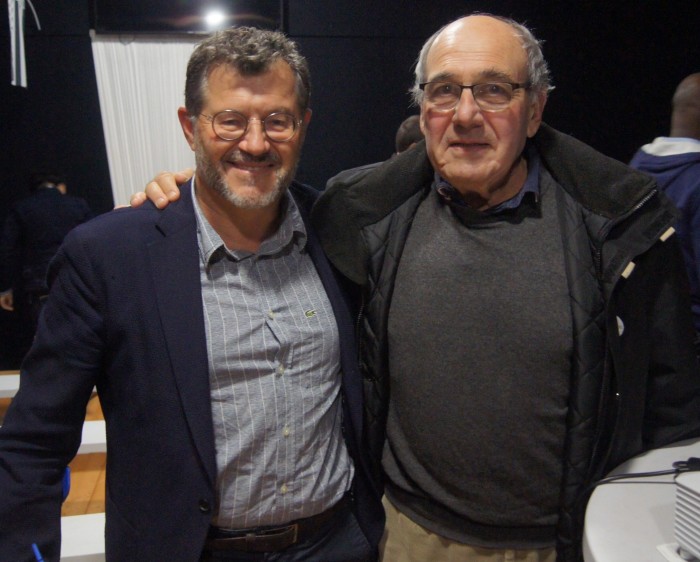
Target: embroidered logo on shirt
310	313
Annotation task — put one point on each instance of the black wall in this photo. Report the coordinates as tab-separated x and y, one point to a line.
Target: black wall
54	124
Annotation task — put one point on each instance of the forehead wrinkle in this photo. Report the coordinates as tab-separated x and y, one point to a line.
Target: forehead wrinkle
484	76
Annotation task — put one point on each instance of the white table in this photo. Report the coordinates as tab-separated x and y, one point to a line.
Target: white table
9	384
94	438
627	520
83	538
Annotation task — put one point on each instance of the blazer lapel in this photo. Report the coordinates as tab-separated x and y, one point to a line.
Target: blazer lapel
175	271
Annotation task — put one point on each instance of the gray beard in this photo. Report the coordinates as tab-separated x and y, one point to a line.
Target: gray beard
214	177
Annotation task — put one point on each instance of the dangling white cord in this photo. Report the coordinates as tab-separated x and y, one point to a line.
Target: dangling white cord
36	18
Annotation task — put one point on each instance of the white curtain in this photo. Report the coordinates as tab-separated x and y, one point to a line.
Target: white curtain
141	83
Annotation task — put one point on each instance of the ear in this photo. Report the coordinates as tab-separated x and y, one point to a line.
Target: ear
187	125
305	120
535	111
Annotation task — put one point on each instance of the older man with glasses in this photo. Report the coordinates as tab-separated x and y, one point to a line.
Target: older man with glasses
525	323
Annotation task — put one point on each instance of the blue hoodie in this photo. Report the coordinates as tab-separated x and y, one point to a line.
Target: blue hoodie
675	164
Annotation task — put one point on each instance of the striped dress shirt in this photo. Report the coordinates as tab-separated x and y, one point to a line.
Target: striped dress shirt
274	372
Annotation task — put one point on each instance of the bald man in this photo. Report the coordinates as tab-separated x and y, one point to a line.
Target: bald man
675	163
509	361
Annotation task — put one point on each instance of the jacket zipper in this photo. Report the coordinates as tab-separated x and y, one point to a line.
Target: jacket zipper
603	234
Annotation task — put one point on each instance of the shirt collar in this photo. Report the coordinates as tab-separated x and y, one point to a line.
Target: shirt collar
291	232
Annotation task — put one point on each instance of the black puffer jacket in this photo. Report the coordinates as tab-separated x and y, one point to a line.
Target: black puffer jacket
634	378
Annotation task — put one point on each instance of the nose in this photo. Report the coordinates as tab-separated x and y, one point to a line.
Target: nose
254	141
467	110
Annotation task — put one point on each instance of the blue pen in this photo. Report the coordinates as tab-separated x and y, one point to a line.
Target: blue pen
37	554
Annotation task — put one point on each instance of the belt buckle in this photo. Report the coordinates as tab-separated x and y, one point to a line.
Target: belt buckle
251	538
279	531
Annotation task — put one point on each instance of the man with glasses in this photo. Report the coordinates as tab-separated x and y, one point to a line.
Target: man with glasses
525	323
233	401
525	307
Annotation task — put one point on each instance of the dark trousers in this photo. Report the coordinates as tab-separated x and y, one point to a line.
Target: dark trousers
339	540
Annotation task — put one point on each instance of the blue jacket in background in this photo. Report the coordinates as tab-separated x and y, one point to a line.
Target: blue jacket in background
675	164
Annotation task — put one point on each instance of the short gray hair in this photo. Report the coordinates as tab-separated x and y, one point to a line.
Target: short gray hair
537	70
249	51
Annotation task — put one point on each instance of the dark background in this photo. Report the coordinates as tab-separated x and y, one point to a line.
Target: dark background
615	65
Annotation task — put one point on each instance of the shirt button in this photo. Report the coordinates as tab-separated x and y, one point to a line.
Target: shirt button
204	506
284	489
280	369
270	315
286	431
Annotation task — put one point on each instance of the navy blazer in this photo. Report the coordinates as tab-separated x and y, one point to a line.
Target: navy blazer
125	315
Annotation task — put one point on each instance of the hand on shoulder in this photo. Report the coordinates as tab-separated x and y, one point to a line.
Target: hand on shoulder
163	189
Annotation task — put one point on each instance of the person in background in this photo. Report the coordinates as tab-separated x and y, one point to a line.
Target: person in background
674	162
526	320
33	231
233	401
407	135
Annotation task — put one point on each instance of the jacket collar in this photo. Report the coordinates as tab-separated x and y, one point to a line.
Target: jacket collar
602	184
608	190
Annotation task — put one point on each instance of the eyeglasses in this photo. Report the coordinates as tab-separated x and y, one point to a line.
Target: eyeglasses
490	96
230	125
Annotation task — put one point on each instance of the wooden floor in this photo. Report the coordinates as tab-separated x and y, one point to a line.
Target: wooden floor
87	491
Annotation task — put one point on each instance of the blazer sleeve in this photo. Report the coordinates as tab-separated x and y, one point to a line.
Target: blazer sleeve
42	428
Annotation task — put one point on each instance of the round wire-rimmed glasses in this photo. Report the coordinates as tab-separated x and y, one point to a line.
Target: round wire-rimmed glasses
231	125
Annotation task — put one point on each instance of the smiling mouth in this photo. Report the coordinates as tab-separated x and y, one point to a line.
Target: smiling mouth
251	167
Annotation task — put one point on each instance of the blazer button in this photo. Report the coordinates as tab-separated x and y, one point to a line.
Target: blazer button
204	506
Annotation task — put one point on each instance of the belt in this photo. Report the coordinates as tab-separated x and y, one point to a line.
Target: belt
271	539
